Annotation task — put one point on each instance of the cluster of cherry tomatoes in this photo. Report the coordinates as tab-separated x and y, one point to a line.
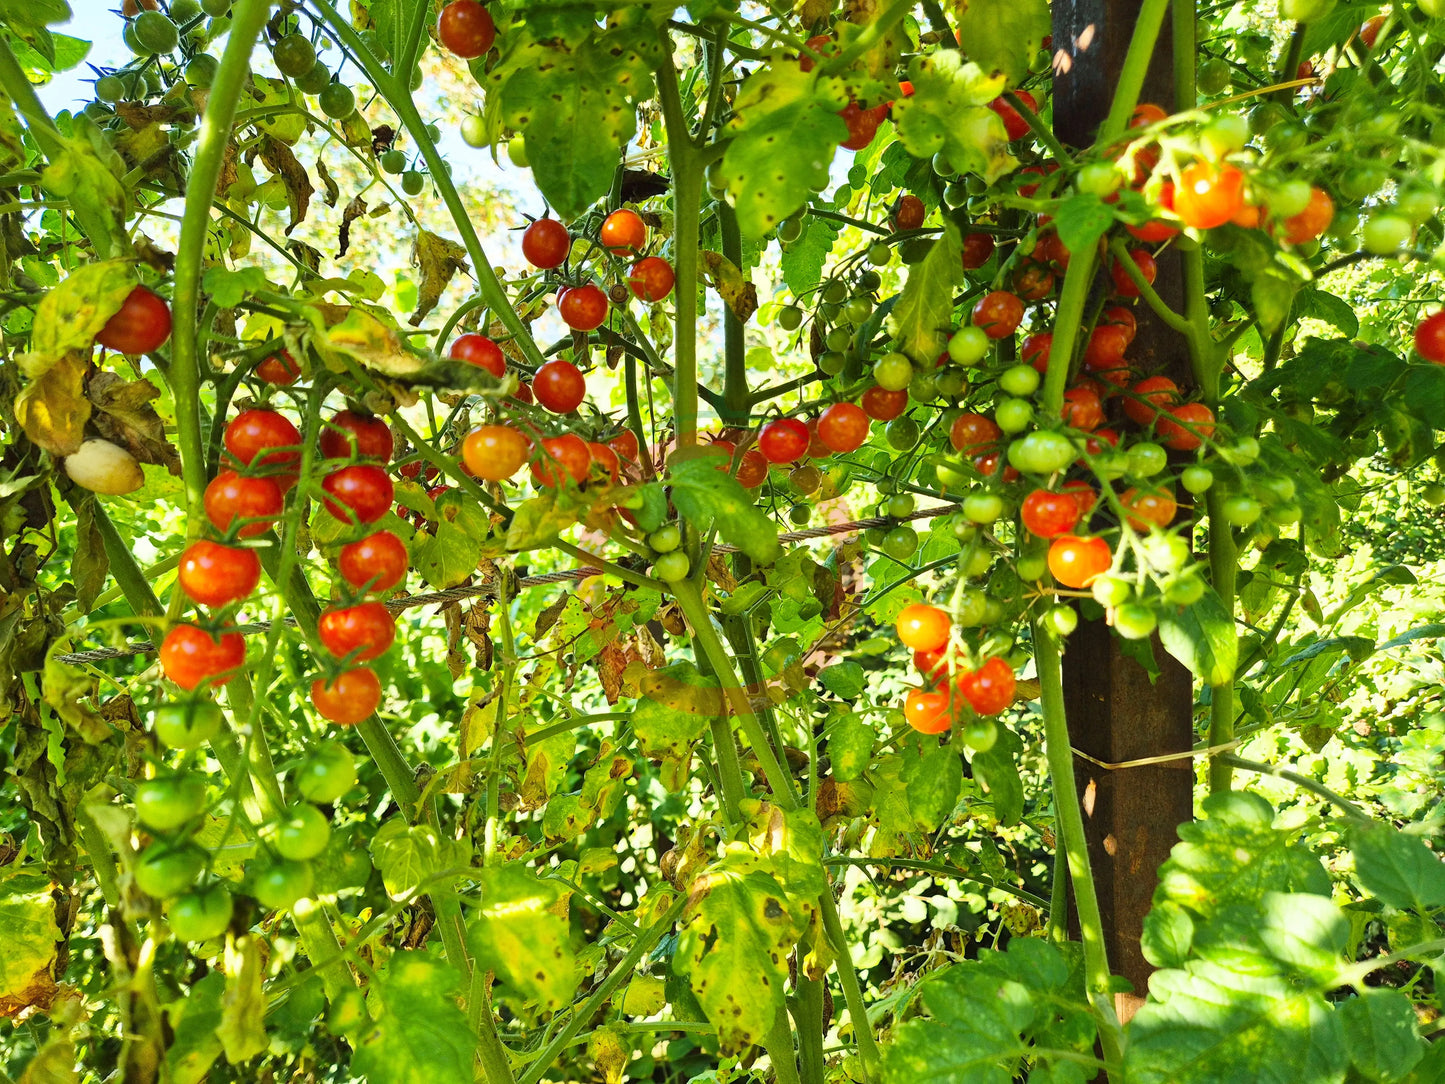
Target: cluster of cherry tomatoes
986	689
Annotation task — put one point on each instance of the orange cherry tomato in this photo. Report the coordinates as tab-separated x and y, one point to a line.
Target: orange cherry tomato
928	712
923	627
1078	562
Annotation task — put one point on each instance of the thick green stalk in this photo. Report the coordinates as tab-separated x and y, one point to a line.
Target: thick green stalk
808	1021
779	1044
737	399
1223	571
129	576
319	942
1069	830
247	19
1136	66
852	992
1072	299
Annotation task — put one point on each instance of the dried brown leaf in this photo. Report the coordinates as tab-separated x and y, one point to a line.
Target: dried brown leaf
354	210
124	416
280	160
439	259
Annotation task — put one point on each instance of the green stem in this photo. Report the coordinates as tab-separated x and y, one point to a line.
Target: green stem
319	942
1304	782
808	1018
609	567
1186	54
686	207
779	1044
22	93
1151	297
852	992
1136	66
940	869
247	19
1059	896
1072	298
490	853
737	400
1069	827
1223	569
129	576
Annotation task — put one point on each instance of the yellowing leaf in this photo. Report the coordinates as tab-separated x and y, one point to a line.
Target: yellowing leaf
439	259
243	1006
737	293
53	409
521	932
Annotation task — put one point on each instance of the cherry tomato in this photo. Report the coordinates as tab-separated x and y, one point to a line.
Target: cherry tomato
301	833
821	44
930	663
862	124
164	870
1145	114
465	29
252	434
909	212
327	773
1122	317
1013	121
623	232
190	656
1125	286
990	688
843	427
1148	508
188	724
1033	282
351	434
972	434
1051	251
625	445
928	712
217	575
201	915
279	369
651	278
281	884
603	460
1148	397
784	440
231	496
168	802
363	491
1082	409
883	405
350	698
1370	30
1208	195
1185	427
998	313
1430	338
1312	221
546	243
367	627
377	562
752	469
1083	494
1157	230
923	627
523	393
559	386
1047	514
583	308
1077	562
977	248
564	456
1106	346
140	325
495	453
480	351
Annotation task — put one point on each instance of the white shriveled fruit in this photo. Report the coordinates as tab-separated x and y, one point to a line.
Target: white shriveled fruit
103	467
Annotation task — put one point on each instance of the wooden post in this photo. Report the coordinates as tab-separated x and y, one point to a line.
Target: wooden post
1115	712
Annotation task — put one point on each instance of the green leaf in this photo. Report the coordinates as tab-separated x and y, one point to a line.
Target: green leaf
407	855
845	680
89	565
676	706
803	260
420	1035
1168	935
1004	35
195	1021
1381	1034
997	769
27	930
934	781
521	932
1398	868
947	113
706	497
535	522
448	557
1295	933
229	288
1319	305
734	948
923	317
785	131
1081	220
28	22
1202	637
850	748
242	1029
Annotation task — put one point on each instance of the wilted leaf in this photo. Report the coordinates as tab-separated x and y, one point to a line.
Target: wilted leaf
243	1006
281	161
354	210
53	409
737	293
124	416
439	259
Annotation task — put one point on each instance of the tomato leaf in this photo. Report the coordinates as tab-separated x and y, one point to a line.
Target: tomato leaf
439	259
997	769
844	680
707	497
53	409
521	932
1399	869
933	781
420	1035
1319	305
27	924
1081	220
242	1029
947	114
923	316
1202	637
802	260
195	1019
850	748
1382	1033
1003	35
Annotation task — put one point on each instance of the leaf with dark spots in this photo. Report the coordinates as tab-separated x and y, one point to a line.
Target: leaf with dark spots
354	210
280	160
439	259
124	416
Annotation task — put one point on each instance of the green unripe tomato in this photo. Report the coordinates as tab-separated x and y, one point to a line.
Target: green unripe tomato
316	80
1386	234
1285	139
1165	552
412	182
835	292
1362	181
1285	513
838	338
282	883
110	88
1099	179
901	505
294	55
789	229
983	508
1226	134
1242	452
972	608
1433	494
790	318
166	803
901	542
517	152
1214	76
155	33
127	35
980	733
187	724
302	832
666	538
1435	9
893	372
949	383
856	310
1061	620
1042	452
474	131
201	70
327	773
1111	591
1289	199
338	103
922	388
216	9
1031	567
879	254
1196	479
393	161
1417	204
955	193
901	433
805	479
943	167
978	563
967	346
831	362
1305	11
164	870
1134	621
671	567
1019	380
800	514
1147	459
202	915
1184	590
1014	415
1240	510
874	536
963	530
1265	116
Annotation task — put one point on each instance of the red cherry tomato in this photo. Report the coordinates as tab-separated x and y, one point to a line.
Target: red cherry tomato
1145	508
1119	315
651	278
1145	114
928	712
987	465
1048	514
930	663
1013	121
1051	251
361	491
1370	30
625	445
217	575
784	440
252	434
1082	409
190	656
279	369
377	562
1083	494
367	627
232	496
909	212
623	232
1430	338
752	469
1078	562
351	434
1312	221
1148	397
1185	427
559	386
990	688
480	351
495	453
1125	286
546	243
883	405
821	44
923	627
843	427
350	698
583	308
998	313
1034	350
562	457
602	460
1157	230
1106	346
977	248
862	124
1033	282
140	325
972	434
465	29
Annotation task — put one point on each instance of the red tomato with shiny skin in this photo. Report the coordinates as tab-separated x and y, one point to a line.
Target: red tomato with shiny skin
546	243
1013	121
651	278
1078	562
140	325
928	712
562	457
465	29
190	655
364	436
1122	317
378	560
216	575
1083	494
998	313
1034	350
752	469
480	351
1145	114
583	308
279	369
1185	427
252	434
1047	514
352	697
990	688
1208	195
1430	338
523	394
977	248
1125	286
559	386
231	496
821	44
909	212
972	434
843	427
1370	30
1082	409
784	440
1033	282
862	124
883	405
1148	397
367	627
923	627
1312	221
362	491
987	465
623	232
931	664
603	460
1145	508
495	453
1157	230
1105	348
